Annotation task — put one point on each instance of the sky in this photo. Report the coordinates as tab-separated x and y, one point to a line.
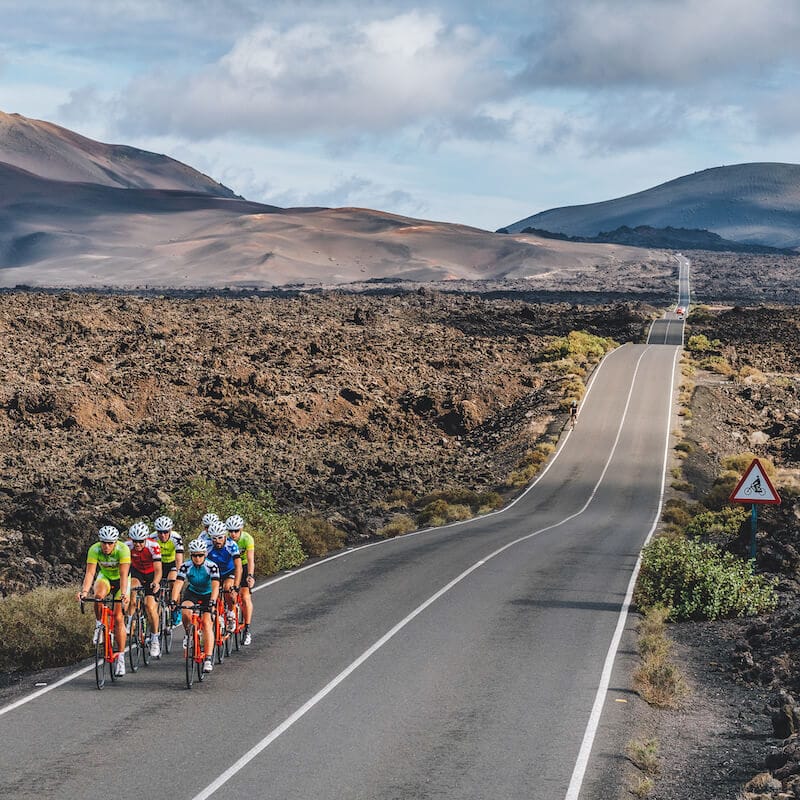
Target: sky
481	113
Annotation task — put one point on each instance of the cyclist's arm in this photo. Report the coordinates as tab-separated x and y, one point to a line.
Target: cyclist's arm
251	562
124	582
88	577
237	570
178	557
157	574
176	587
214	589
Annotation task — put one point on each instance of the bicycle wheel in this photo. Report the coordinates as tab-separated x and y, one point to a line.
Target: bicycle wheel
198	662
135	641
165	629
100	663
144	638
238	634
219	639
188	658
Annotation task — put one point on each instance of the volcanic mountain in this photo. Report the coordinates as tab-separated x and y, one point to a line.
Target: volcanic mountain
75	212
757	204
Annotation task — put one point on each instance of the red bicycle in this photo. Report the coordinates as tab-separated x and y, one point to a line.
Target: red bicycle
222	634
104	653
193	653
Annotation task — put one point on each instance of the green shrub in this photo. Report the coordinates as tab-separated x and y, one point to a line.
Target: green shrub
721	526
397	526
700	343
579	345
317	536
277	546
43	628
699	581
459	496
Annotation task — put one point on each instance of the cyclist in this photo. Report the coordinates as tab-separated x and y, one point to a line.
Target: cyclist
224	552
208	519
573	412
247	549
202	586
171	546
146	572
110	560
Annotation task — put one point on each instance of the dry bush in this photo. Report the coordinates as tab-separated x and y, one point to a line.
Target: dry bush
644	755
43	628
440	512
317	536
398	525
659	682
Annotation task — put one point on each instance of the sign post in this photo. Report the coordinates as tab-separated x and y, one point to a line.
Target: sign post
756	488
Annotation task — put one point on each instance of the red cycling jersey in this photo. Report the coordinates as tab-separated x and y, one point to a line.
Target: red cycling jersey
143	560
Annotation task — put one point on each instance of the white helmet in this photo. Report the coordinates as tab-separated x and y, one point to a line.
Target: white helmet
138	532
217	529
209	518
163	524
197	546
234	523
108	533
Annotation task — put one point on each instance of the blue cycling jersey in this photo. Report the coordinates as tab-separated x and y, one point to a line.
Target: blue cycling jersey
224	557
198	577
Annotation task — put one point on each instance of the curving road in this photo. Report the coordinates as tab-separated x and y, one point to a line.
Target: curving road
468	661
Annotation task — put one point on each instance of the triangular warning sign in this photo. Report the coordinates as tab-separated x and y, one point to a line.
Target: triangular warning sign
755	487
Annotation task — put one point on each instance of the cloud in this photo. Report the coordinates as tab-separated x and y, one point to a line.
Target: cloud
310	79
354	190
593	44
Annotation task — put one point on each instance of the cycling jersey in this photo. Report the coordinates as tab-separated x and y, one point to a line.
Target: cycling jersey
168	549
144	560
224	557
198	577
245	543
108	565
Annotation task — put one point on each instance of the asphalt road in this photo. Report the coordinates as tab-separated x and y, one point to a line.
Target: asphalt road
461	662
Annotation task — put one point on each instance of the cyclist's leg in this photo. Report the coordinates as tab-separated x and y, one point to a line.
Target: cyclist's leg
151	609
101	588
119	621
247	604
227	585
208	635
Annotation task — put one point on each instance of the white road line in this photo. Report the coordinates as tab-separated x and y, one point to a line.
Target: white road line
329	559
326	690
578	773
28	698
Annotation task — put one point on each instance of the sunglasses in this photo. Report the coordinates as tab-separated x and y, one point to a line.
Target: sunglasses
198	555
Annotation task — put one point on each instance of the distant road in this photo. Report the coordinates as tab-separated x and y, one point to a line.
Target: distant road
461	662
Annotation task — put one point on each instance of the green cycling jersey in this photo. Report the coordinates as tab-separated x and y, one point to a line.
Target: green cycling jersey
108	565
168	549
246	542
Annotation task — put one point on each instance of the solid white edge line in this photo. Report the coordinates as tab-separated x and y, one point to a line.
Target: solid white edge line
582	762
34	695
328	559
328	688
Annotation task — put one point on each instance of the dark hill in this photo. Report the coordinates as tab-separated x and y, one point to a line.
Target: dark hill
756	204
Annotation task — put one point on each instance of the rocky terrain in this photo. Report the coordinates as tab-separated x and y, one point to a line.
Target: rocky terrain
740	726
109	404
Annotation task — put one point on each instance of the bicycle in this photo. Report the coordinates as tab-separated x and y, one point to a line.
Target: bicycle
193	652
238	610
165	615
222	636
104	653
139	633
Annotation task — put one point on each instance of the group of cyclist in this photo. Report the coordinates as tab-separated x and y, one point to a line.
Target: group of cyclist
221	558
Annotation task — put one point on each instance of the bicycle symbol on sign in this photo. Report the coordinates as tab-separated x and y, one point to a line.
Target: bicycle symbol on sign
755	487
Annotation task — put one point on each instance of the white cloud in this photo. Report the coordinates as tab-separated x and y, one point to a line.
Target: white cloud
309	79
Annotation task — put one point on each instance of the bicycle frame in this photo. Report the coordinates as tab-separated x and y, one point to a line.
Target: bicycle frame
193	654
104	649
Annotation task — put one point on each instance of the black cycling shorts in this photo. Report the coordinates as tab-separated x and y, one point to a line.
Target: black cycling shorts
204	600
146	581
